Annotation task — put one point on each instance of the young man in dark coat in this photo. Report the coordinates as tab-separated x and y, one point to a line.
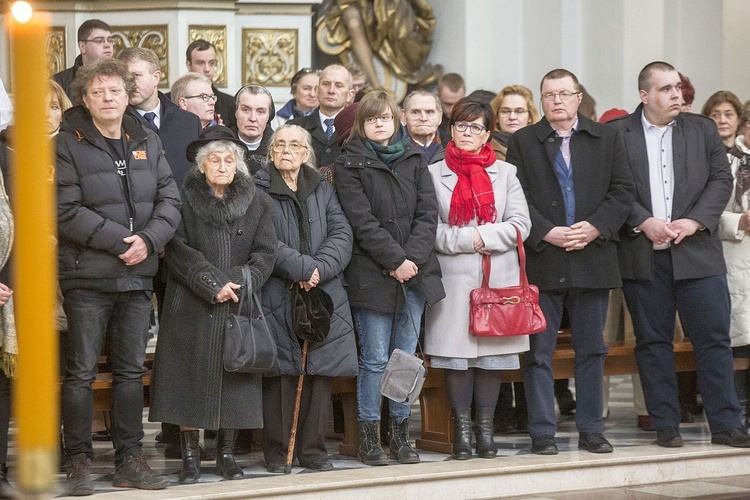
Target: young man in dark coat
117	207
671	256
200	57
94	42
579	192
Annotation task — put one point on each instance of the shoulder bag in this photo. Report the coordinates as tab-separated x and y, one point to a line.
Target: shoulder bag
249	346
503	312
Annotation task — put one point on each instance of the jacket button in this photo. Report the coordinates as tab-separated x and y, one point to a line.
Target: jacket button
239	232
328	150
551	139
562	280
213	284
309	220
554	203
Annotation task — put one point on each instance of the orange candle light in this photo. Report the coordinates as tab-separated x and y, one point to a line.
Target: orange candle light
36	388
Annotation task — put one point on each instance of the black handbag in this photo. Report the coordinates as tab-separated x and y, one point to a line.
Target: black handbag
249	346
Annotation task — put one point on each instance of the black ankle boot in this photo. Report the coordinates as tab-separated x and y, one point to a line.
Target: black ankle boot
401	449
484	430
462	433
225	464
191	457
370	452
6	490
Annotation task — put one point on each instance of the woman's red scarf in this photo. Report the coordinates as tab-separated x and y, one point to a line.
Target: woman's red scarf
473	195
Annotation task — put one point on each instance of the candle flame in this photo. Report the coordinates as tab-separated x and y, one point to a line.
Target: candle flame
21	11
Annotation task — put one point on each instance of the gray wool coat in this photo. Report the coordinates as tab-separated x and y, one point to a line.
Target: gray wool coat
447	322
329	245
216	238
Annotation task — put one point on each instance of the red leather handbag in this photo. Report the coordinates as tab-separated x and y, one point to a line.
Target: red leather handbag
503	312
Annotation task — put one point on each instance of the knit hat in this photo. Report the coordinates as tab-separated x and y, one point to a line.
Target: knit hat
344	121
611	114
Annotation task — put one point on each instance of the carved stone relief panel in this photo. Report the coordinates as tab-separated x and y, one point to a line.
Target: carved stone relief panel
269	56
154	37
54	44
217	35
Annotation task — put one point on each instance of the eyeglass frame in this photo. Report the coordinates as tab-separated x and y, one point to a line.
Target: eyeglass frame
564	95
100	40
374	119
470	126
204	97
509	111
291	146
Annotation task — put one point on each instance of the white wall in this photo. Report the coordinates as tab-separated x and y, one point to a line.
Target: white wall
494	43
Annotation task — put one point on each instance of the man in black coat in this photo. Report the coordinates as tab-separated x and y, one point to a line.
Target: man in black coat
334	89
255	112
579	192
117	207
200	57
671	257
94	42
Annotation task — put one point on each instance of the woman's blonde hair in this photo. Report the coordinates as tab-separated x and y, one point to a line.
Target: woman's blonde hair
524	92
62	98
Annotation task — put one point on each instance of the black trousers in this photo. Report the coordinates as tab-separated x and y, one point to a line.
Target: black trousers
278	412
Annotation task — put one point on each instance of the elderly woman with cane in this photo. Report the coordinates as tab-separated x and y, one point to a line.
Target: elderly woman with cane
225	233
315	244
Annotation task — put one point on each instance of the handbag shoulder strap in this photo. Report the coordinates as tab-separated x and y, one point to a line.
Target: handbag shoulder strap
487	263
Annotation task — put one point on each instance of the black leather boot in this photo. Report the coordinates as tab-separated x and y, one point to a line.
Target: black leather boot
6	490
484	430
741	386
462	433
370	452
401	449
225	464
191	457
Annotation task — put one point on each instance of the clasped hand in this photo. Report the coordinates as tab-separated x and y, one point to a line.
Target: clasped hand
660	231
406	271
575	237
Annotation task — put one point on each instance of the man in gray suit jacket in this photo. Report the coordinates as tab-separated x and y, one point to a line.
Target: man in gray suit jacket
671	257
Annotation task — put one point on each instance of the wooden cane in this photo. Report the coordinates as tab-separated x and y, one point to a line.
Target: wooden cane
295	419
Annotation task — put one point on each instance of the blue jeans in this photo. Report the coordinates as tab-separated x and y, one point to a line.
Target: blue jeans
124	317
377	340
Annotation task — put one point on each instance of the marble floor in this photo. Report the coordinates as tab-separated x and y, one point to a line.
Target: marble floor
515	471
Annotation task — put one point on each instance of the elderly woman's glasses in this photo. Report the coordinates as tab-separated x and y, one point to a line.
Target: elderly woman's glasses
293	147
204	97
385	118
475	128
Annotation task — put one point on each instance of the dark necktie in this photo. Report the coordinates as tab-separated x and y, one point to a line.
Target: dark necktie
331	129
151	119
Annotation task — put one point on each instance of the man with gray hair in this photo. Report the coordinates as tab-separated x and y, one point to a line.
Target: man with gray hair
421	115
117	207
334	90
192	92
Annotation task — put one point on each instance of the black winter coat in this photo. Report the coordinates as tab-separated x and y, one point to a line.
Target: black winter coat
603	190
65	77
94	214
217	237
394	215
177	129
330	246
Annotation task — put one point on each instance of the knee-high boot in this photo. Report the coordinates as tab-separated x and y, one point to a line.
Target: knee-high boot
225	464
191	457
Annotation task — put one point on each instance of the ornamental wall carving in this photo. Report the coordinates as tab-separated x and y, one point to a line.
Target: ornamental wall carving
217	35
154	37
54	45
269	56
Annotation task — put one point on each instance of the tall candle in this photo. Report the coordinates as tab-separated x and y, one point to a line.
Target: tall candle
36	388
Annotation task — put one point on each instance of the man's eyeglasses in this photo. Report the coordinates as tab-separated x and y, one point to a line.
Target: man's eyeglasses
508	111
293	147
100	40
564	95
383	118
204	97
475	128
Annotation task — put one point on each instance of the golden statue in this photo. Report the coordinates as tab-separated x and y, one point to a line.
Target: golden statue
390	39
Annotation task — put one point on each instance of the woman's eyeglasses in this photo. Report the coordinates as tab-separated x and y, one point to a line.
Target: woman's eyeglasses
385	118
475	128
293	147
